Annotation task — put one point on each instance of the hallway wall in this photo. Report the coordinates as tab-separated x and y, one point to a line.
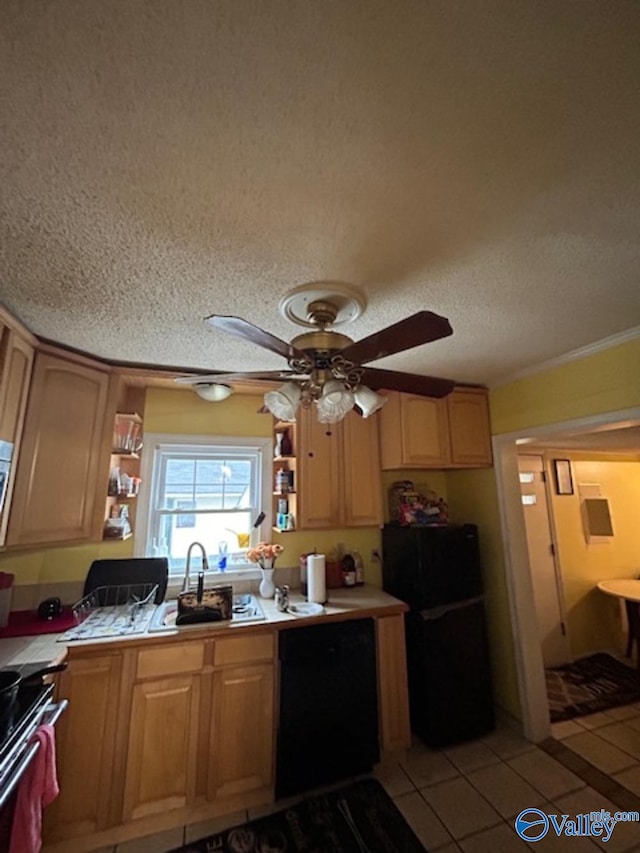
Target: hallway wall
594	619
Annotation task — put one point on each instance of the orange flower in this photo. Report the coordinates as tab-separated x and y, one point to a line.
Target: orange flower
264	551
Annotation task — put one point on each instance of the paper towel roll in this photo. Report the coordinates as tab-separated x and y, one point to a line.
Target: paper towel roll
316	578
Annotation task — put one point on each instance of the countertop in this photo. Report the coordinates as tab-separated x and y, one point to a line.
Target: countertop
346	603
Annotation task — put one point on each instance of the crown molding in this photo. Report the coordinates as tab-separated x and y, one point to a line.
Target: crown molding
573	355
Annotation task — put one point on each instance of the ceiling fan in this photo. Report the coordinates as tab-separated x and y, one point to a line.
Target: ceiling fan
326	367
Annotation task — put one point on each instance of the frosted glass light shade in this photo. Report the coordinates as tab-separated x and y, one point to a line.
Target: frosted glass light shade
335	402
284	401
368	401
213	392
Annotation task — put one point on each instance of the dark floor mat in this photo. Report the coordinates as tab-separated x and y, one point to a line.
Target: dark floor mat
590	684
359	817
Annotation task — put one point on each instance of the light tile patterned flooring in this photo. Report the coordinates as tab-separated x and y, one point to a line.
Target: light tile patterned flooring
465	798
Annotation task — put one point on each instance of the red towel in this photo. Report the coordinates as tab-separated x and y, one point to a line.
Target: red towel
37	788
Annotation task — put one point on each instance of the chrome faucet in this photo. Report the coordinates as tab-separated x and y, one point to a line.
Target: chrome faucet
205	564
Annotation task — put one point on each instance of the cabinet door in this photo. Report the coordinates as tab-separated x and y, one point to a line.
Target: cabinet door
362	486
424	431
470	430
163	741
60	460
318	471
414	432
85	738
241	755
16	360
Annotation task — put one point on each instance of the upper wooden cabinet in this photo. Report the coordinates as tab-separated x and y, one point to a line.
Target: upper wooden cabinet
16	360
422	432
62	461
413	432
469	428
339	472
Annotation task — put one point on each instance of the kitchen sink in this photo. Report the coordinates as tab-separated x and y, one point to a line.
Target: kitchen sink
246	608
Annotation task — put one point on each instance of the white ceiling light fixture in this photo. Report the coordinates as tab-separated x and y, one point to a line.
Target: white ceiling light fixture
335	402
213	392
284	401
368	401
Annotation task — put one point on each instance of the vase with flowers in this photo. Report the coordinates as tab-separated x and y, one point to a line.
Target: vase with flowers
264	554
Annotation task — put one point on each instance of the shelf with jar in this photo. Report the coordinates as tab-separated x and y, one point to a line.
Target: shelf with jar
284	498
124	476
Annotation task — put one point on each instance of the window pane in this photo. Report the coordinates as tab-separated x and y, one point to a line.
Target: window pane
202	496
210	530
178	483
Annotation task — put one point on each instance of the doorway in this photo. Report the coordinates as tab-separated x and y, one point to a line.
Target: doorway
528	655
546	573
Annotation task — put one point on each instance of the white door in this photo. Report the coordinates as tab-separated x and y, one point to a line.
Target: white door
545	575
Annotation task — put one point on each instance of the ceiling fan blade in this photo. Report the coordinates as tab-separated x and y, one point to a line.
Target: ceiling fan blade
410	383
254	334
266	375
420	328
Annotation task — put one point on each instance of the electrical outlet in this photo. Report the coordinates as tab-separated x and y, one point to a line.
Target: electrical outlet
375	555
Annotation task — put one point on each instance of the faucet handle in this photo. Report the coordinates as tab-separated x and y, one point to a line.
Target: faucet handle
200	592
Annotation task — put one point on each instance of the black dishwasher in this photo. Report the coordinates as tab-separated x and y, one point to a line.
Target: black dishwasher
328	727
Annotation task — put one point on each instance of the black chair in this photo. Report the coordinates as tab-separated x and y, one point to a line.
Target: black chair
134	575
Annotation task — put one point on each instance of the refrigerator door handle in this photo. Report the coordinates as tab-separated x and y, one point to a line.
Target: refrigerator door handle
439	612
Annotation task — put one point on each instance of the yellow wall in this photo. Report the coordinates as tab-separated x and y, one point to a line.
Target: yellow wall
177	411
593	618
606	381
603	382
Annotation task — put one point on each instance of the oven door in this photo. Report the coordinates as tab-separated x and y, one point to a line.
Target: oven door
35	707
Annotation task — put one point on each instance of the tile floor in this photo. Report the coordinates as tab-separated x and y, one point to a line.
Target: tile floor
465	798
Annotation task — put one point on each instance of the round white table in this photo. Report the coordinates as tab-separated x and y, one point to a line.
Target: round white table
629	590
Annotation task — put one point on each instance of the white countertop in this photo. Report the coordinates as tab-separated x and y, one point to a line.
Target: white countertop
345	603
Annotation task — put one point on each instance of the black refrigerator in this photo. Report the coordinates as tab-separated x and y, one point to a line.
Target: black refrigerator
436	570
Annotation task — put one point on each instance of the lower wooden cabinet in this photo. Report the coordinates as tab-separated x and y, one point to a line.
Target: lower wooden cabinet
393	689
85	747
163	746
161	734
241	756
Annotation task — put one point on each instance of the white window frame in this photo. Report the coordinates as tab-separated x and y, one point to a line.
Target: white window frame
164	443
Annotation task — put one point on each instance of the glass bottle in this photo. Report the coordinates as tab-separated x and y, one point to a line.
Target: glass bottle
359	566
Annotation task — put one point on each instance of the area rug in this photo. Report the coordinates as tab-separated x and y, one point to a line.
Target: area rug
360	818
590	684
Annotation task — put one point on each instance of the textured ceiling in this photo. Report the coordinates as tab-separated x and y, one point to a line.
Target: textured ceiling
163	160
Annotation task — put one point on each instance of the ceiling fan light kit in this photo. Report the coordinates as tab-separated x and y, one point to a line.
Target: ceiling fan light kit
284	401
368	401
335	402
213	392
327	368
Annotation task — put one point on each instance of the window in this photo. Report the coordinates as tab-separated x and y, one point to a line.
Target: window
201	489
